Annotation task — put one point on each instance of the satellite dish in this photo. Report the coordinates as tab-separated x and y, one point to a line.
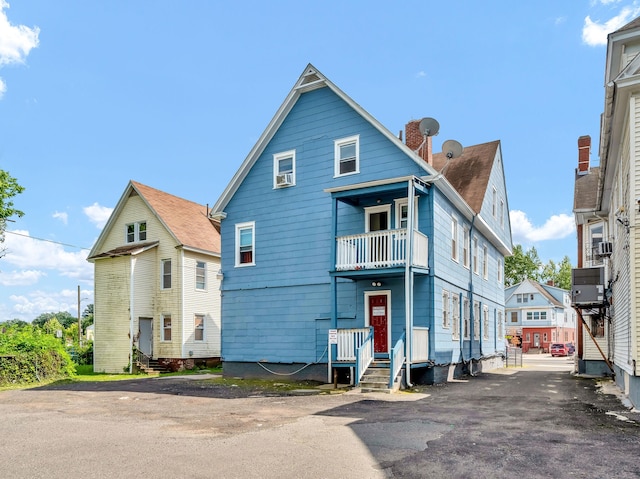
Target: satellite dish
452	149
429	127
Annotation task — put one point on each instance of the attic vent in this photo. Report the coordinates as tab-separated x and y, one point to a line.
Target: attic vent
605	248
310	79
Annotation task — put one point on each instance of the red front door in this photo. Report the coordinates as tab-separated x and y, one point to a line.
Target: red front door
378	318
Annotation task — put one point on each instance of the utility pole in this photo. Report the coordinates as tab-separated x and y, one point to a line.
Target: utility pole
79	322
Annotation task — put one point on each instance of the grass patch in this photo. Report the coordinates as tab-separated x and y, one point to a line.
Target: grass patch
265	385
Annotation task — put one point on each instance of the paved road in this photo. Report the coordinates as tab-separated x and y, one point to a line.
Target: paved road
537	421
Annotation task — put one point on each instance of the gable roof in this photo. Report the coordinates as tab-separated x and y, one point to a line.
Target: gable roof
311	79
469	173
185	220
538	287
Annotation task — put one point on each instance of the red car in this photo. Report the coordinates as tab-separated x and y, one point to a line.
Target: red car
559	349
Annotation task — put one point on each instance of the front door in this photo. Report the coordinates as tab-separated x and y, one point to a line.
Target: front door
145	340
536	340
379	319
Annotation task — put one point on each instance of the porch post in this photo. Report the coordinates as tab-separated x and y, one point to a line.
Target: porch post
408	280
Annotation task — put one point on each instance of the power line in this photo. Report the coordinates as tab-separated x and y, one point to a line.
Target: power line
47	240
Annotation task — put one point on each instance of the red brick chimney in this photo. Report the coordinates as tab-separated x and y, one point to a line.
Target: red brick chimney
584	152
417	142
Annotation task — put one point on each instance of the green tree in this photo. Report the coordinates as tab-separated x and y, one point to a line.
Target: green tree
63	317
9	188
560	273
522	265
87	317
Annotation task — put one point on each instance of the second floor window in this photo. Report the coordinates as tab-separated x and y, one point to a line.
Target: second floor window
347	156
284	169
166	274
454	239
245	247
201	275
465	247
136	232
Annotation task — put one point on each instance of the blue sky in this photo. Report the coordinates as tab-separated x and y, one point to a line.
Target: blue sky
175	94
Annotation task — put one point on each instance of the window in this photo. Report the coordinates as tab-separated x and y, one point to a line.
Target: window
545	338
494	202
402	213
524	297
166	274
476	320
198	327
553	336
136	232
245	239
455	320
500	333
445	309
475	255
596	237
485	262
536	315
465	247
454	239
485	322
514	316
347	156
500	271
166	327
201	275
466	312
597	326
284	169
501	212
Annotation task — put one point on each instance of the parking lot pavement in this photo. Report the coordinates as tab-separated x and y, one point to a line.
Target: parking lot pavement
512	422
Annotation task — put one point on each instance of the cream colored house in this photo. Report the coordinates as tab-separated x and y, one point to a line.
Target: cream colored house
157	286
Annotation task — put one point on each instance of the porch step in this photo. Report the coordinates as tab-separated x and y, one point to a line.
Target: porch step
376	378
154	368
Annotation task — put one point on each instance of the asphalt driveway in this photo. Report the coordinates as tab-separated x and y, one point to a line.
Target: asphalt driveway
528	422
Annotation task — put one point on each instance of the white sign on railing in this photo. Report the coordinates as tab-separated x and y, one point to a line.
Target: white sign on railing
333	336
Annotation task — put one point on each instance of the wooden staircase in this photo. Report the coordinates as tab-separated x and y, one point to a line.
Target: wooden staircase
151	367
376	378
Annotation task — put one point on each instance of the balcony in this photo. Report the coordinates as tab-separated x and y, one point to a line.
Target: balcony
380	249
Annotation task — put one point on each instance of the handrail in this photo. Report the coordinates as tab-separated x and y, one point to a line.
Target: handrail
397	359
364	356
141	358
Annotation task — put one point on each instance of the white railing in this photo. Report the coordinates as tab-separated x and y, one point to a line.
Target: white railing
420	345
397	359
349	340
364	356
380	249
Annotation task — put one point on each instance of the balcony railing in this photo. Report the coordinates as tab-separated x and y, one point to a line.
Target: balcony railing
380	249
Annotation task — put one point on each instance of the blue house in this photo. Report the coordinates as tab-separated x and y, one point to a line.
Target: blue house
348	253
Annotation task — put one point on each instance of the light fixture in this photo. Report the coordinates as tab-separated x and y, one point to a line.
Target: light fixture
219	275
376	283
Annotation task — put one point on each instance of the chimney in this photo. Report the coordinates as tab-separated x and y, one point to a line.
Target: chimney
584	152
417	142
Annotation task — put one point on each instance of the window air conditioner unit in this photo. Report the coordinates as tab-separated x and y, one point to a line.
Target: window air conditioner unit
587	287
284	180
605	248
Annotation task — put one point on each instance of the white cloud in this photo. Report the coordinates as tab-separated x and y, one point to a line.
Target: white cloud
30	306
20	278
421	74
64	217
559	20
595	33
98	215
555	228
25	252
16	41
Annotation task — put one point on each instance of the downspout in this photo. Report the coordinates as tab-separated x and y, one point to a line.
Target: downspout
131	310
182	308
408	282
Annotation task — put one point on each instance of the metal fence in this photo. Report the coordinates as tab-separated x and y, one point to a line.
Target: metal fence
514	357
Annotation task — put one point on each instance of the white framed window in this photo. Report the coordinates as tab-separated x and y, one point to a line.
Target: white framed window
454	238
166	327
455	316
466	313
499	270
136	232
201	275
485	262
445	309
476	320
402	213
501	212
475	255
465	247
245	244
500	327
494	202
536	315
347	156
485	322
284	169
198	327
165	268
514	316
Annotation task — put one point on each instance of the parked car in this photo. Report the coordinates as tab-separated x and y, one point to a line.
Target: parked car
559	349
572	348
